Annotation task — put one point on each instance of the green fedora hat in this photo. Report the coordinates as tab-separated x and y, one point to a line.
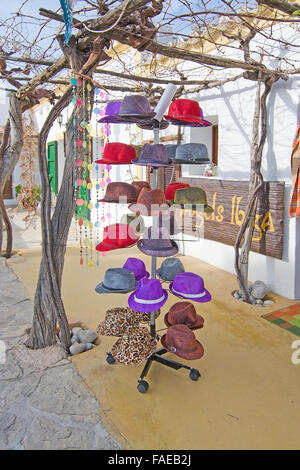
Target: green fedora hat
136	221
192	196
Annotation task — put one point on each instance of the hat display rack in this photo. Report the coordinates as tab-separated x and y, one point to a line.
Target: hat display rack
183	334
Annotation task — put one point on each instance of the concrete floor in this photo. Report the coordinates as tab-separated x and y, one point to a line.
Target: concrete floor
248	395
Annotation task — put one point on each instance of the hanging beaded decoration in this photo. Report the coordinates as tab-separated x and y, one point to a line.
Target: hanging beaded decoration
97	224
78	157
83	166
104	169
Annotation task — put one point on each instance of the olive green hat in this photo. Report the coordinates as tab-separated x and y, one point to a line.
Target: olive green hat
136	221
192	196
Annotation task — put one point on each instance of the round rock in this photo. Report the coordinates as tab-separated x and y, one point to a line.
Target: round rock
74	339
258	290
236	295
87	336
89	346
76	330
77	348
269	302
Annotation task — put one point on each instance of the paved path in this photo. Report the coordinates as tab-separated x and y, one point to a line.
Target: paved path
44	402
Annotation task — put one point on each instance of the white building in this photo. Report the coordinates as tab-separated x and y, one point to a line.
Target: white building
230	108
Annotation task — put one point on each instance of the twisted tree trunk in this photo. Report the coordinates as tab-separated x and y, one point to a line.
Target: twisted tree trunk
9	156
48	304
245	234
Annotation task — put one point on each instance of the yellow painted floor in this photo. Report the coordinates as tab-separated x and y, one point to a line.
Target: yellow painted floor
248	396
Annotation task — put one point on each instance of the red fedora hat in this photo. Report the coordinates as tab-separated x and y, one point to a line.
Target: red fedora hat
181	341
187	111
116	153
172	188
115	191
150	202
139	185
184	313
117	236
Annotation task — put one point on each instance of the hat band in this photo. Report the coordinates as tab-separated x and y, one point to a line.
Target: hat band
150	302
113	288
192	296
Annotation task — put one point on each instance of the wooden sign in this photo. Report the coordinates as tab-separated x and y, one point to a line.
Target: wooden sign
229	199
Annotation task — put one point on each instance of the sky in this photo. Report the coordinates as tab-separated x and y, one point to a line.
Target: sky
11	6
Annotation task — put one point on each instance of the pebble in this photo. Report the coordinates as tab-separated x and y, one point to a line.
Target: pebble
77	348
236	295
258	290
76	330
259	302
74	339
87	336
89	346
269	302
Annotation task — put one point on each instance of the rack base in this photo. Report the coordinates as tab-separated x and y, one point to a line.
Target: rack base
157	357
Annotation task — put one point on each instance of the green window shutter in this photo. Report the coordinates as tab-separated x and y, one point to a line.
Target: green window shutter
82	212
52	165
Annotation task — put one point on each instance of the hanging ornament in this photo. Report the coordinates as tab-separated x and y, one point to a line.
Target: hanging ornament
67	6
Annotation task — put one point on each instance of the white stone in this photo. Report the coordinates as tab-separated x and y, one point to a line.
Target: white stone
89	346
258	290
87	336
74	339
77	348
236	295
76	330
269	302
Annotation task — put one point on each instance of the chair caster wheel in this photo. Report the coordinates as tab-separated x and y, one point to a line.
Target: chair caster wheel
194	374
143	386
110	359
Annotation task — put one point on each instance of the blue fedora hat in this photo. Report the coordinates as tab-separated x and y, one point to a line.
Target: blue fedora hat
117	280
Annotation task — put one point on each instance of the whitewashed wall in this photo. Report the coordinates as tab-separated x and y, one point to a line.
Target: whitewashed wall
233	104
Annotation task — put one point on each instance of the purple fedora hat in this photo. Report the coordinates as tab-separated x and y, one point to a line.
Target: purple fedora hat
137	266
136	106
157	242
190	286
148	297
111	111
153	155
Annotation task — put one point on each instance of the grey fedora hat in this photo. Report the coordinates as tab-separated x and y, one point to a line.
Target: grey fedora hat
117	280
190	154
169	268
171	149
